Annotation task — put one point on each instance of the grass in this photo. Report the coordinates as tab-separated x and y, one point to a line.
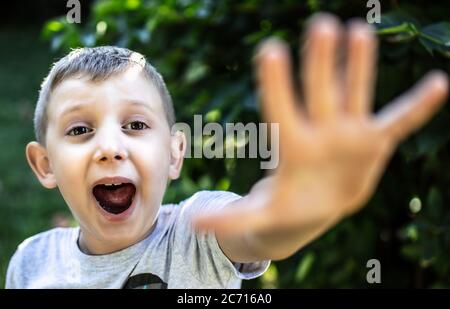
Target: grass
26	208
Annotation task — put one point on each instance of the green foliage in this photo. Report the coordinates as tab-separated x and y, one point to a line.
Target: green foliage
400	27
26	208
204	50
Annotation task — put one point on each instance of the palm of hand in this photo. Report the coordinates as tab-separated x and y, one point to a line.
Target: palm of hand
332	149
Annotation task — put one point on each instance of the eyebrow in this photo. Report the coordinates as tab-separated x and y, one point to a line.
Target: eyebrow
132	102
138	103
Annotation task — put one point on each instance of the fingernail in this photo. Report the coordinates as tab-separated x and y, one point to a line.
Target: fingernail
271	48
324	23
440	80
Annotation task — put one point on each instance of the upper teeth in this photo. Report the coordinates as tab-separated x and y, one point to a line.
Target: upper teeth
112	184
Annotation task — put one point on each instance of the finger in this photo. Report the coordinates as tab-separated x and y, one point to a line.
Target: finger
410	111
319	67
279	102
234	220
361	63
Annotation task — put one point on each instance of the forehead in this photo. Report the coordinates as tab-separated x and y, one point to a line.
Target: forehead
130	86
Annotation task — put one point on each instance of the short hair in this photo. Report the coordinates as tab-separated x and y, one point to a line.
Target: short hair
98	64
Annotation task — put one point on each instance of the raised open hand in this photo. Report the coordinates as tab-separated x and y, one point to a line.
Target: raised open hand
333	150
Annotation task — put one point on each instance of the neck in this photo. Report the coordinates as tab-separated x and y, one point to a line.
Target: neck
93	246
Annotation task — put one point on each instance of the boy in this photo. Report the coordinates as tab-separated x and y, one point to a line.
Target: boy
103	133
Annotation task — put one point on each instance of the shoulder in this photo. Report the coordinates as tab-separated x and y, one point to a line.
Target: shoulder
44	239
209	200
198	254
36	250
215	194
205	200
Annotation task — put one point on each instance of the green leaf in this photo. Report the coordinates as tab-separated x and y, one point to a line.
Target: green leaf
223	184
195	72
436	37
304	267
398	26
54	26
213	115
313	5
412	251
51	28
132	4
270	277
396	18
106	8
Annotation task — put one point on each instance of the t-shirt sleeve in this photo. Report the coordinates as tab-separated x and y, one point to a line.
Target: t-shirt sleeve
11	274
14	274
201	251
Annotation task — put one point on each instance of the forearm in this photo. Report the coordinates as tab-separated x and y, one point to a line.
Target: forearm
286	217
281	244
319	215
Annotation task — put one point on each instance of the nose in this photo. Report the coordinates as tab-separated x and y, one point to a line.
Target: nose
110	148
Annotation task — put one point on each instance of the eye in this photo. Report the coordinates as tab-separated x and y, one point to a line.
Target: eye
80	130
135	125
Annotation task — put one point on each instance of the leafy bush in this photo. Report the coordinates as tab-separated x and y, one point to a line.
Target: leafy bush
204	50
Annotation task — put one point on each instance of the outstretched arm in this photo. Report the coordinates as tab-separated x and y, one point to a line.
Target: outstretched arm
333	150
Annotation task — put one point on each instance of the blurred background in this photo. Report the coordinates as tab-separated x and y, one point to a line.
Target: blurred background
204	50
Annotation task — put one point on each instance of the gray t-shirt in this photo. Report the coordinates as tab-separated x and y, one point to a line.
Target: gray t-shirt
172	256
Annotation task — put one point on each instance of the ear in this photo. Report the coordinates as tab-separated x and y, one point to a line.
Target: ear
177	151
39	163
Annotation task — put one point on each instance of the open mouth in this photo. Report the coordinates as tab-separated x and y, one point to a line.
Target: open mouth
114	198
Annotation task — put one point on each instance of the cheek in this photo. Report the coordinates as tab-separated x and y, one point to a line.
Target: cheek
152	159
66	159
69	164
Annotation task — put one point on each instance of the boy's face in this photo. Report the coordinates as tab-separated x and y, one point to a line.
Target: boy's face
109	132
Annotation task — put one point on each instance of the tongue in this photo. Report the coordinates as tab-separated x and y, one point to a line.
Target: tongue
115	199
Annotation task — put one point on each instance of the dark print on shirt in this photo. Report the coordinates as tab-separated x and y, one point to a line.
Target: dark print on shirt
145	281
